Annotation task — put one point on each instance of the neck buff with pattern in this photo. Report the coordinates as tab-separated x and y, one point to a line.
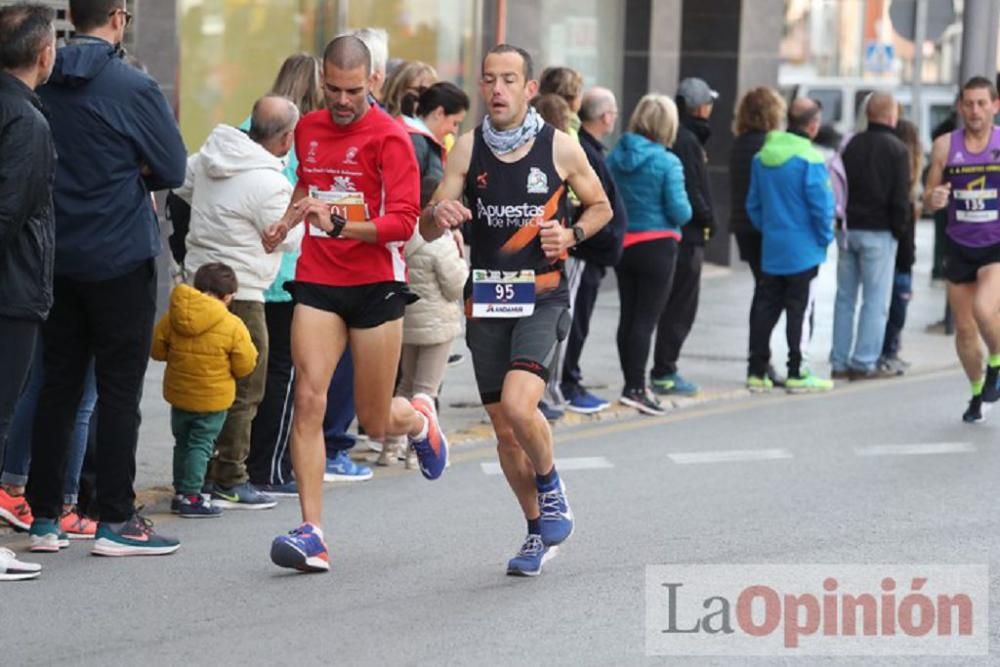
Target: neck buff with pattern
502	142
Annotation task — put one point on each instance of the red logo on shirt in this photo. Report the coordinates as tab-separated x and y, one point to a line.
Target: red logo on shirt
481	180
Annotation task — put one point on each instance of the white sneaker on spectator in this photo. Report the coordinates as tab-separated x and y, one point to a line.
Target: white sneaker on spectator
11	569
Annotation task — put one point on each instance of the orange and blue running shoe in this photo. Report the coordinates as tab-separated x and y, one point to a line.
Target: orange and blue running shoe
76	526
302	549
432	450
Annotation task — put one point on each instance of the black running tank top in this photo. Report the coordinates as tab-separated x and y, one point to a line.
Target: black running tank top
507	200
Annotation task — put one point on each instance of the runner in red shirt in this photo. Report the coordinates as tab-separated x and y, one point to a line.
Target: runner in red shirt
358	192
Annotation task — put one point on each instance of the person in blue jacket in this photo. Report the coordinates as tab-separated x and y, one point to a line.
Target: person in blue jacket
790	202
650	181
117	141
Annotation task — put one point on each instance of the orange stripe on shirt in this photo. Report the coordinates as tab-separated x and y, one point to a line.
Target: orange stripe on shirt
527	234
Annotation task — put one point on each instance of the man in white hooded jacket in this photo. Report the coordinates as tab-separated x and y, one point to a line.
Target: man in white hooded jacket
236	188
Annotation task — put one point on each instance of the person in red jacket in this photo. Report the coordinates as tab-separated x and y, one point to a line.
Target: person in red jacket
359	195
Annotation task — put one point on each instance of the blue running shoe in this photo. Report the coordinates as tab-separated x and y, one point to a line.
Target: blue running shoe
342	469
302	549
585	403
432	451
551	413
243	496
529	560
557	517
674	384
194	506
135	537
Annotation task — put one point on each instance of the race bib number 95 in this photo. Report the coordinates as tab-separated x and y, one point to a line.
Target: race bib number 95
503	293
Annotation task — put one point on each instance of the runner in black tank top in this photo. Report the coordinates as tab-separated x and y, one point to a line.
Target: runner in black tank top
507	200
514	172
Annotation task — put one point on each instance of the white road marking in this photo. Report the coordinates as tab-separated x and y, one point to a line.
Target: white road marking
916	449
579	463
729	456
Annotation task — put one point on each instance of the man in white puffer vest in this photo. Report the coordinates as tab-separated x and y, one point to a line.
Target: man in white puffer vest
236	188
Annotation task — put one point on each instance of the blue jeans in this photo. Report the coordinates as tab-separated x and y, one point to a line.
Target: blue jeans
867	260
17	459
902	292
340	407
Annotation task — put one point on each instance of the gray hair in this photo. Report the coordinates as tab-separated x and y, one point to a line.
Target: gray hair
597	101
272	117
377	41
25	29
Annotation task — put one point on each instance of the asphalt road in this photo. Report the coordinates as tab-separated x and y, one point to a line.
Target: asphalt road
418	567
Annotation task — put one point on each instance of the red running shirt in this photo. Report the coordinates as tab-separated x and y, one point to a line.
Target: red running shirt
372	156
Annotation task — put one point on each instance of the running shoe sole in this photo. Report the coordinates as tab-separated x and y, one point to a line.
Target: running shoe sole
337	477
106	547
642	407
80	536
19	576
12	519
551	553
47	545
286	555
586	411
199	516
228	505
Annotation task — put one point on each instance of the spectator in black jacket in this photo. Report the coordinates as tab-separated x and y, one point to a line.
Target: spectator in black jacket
878	209
760	110
598	115
27	227
117	141
695	100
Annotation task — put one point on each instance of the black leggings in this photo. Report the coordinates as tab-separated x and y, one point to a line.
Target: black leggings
645	274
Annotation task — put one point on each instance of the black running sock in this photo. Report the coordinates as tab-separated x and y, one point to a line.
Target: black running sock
547	482
535	526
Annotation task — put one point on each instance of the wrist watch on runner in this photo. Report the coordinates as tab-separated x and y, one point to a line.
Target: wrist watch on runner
579	235
338	225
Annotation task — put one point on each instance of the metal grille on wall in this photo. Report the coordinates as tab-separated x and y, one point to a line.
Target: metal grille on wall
64	29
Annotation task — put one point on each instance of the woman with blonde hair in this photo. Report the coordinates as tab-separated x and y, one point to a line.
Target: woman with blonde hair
567	83
402	89
650	181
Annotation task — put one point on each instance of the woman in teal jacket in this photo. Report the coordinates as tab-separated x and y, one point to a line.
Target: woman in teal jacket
650	181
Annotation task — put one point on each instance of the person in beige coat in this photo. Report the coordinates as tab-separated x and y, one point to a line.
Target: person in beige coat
437	275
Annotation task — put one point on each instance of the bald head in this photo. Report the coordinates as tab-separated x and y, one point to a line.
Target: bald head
598	111
804	117
348	52
882	109
272	122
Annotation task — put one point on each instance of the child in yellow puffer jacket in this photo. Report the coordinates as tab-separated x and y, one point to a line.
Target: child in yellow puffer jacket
206	348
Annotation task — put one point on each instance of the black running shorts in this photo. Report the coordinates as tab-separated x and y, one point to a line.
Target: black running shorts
360	306
962	263
500	345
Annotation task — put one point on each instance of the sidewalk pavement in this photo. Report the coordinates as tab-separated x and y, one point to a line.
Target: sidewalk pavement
714	357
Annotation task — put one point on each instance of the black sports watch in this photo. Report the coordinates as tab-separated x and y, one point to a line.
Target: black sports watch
578	234
338	225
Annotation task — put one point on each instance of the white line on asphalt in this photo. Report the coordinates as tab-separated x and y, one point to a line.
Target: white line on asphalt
579	463
916	449
729	456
